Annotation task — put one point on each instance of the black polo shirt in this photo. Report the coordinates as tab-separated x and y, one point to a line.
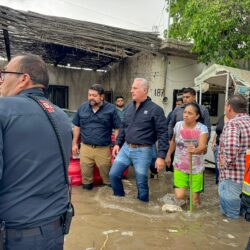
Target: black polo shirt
144	125
96	127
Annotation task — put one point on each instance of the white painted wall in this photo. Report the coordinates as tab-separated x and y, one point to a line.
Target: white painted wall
180	73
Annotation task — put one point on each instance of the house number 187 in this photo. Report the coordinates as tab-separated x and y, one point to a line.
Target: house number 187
159	92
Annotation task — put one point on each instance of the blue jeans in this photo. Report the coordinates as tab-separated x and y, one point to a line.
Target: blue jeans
229	195
141	159
216	164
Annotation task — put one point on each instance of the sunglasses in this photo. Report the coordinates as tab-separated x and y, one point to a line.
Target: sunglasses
3	73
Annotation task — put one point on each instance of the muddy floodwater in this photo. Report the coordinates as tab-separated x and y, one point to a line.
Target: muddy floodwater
106	222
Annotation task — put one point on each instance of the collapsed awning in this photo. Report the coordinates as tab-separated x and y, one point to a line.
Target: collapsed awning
222	78
63	41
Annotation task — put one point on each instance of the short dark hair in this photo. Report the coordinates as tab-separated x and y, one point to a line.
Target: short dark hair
98	88
197	110
118	97
238	103
189	90
179	100
35	67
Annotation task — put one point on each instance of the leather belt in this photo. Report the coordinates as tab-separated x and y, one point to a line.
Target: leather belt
138	145
94	146
14	233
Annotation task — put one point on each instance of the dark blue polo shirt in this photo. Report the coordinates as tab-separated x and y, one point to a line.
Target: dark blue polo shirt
33	189
145	125
96	128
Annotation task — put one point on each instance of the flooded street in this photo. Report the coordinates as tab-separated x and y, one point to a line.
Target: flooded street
103	221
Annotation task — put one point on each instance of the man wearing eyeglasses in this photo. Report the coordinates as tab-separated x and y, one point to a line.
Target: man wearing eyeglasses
33	188
7	89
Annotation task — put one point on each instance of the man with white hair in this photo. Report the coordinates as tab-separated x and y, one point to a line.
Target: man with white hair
144	123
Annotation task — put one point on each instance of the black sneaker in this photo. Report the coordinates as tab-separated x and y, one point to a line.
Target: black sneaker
153	176
87	186
106	185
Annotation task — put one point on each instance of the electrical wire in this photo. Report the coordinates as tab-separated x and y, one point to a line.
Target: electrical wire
159	19
103	14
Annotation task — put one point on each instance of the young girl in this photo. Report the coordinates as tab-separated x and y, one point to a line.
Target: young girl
191	120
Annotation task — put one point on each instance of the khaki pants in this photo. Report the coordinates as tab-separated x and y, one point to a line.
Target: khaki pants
89	157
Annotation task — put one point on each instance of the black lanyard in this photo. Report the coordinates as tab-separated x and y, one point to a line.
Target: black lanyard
58	136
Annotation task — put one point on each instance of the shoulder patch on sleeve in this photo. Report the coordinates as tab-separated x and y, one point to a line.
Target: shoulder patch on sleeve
47	106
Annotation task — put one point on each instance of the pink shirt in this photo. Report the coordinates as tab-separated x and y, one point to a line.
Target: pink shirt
182	157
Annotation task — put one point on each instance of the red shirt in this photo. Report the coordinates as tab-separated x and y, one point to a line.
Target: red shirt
234	142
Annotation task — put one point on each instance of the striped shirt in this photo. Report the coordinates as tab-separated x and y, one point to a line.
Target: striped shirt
234	141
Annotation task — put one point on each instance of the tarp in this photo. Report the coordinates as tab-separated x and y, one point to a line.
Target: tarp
222	78
216	76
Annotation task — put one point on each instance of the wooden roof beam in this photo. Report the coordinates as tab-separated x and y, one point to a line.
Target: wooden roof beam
7	43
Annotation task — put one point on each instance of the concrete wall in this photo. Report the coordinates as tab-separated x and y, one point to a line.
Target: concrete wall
2	63
144	65
163	73
78	82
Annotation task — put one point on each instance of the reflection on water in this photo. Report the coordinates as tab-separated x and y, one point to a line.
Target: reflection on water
104	221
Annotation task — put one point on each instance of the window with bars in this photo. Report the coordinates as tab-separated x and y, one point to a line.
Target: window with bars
59	95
